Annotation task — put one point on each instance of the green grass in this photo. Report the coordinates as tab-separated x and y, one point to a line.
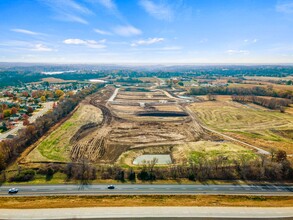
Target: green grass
198	156
56	147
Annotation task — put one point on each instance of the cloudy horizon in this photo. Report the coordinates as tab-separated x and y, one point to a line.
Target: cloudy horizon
147	31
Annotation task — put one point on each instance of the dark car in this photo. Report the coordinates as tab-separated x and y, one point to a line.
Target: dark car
13	191
111	187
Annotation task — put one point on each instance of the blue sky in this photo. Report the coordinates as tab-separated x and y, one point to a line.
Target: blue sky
146	31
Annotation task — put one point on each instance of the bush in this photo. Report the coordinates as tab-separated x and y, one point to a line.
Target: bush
23	176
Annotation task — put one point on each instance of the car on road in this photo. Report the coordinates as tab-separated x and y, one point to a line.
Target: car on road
13	191
111	187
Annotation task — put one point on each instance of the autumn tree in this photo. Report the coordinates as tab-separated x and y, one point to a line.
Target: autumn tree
43	98
281	156
26	122
7	113
2	162
24	94
14	110
25	116
59	93
30	110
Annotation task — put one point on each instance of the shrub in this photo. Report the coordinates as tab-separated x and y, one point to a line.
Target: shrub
23	176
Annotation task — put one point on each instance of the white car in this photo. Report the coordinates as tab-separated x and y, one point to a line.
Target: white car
13	191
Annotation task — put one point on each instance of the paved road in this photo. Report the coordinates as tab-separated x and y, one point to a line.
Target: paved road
149	213
146	189
46	107
111	99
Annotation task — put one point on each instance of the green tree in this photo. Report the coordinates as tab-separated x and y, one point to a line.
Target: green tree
180	83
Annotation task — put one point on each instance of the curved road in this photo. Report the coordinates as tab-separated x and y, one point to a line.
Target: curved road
147	189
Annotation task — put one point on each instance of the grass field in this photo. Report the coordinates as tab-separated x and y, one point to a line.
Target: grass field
275	86
56	146
144	200
209	150
267	129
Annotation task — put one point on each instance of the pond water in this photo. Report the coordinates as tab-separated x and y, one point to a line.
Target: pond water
162	159
98	80
163	114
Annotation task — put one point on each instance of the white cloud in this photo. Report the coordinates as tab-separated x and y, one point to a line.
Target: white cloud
73	18
237	52
108	4
160	10
68	10
286	8
24	31
127	31
157	49
26	46
102	32
41	48
253	41
148	41
88	43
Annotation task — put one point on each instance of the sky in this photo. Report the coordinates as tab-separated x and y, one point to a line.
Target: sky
146	31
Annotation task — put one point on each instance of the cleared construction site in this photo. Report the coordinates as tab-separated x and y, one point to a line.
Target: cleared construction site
130	124
134	120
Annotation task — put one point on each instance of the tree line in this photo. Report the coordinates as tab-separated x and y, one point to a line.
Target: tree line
256	91
12	148
273	168
271	103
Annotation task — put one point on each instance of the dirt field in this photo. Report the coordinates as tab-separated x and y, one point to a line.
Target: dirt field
133	120
132	124
127	130
261	127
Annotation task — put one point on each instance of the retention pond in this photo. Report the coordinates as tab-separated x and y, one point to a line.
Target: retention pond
162	114
147	158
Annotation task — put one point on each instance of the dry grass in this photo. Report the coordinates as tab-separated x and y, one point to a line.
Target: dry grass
275	86
56	80
254	125
145	200
266	78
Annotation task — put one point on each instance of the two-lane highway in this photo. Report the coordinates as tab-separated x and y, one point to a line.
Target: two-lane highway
148	189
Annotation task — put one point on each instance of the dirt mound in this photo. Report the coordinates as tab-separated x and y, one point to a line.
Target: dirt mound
125	127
